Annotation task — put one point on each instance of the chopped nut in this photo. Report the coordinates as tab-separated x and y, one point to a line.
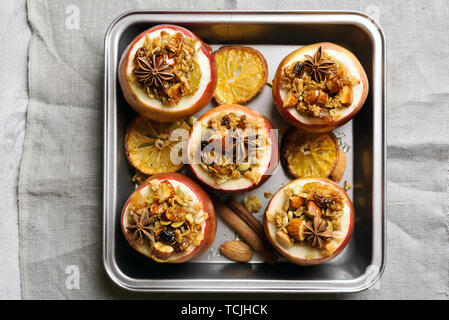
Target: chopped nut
252	204
175	214
137	201
334	83
175	92
312	209
284	239
317	97
281	219
295	229
322	98
164	191
299	84
268	194
290	100
158	208
346	96
347	185
162	251
296	202
312	97
328	249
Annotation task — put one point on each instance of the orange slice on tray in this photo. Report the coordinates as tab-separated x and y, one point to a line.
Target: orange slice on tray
150	147
312	155
242	73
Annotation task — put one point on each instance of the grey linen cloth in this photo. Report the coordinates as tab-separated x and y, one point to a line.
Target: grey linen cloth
60	187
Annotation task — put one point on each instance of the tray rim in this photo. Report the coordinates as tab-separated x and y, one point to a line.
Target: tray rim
373	272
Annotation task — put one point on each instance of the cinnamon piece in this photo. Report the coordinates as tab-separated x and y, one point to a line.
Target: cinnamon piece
246	216
245	231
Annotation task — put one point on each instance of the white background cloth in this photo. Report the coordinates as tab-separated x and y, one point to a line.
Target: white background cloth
60	187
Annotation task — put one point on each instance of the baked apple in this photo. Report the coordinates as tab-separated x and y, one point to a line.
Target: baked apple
169	218
167	73
320	87
232	148
309	221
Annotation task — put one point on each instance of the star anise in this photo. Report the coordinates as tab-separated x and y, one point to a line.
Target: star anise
317	233
318	66
241	141
154	71
142	227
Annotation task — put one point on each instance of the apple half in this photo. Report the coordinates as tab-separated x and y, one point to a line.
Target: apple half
268	161
359	92
151	108
302	253
190	188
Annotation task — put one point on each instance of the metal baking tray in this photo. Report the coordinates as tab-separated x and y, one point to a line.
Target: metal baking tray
274	34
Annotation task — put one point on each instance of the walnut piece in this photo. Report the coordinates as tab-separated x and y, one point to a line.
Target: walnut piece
252	204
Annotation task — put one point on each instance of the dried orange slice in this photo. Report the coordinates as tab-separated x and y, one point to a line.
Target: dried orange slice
311	154
149	145
242	73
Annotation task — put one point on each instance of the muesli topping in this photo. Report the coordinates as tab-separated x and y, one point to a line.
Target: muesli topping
232	147
166	67
165	218
311	216
318	86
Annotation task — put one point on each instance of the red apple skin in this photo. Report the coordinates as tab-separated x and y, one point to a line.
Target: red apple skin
165	115
274	160
317	128
211	222
312	262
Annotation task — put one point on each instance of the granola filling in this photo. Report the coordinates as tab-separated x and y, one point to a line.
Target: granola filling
165	220
318	86
232	147
166	67
310	216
